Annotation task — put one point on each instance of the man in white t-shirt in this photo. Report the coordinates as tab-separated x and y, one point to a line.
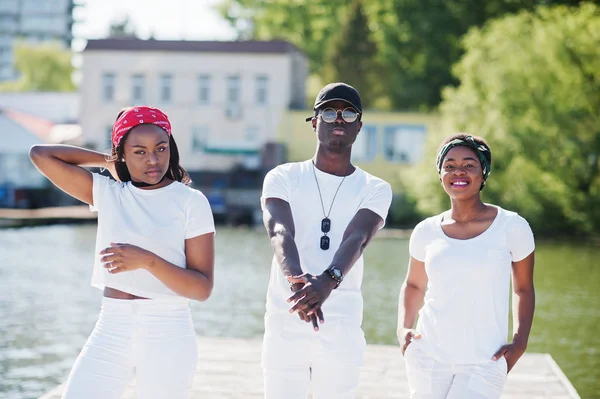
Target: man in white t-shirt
320	215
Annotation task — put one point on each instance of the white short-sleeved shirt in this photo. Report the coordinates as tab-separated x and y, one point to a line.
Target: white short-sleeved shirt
295	184
465	316
158	220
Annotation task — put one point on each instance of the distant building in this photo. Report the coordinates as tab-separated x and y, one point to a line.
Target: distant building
387	142
226	100
35	21
27	119
58	107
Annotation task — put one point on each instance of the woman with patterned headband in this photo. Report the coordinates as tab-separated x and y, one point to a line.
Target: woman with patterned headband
458	285
154	252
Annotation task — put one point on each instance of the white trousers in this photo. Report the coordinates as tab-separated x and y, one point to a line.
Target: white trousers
295	358
430	379
152	341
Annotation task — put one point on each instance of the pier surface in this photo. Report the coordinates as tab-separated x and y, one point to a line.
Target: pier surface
229	368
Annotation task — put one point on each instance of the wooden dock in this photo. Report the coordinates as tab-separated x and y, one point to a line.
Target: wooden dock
230	368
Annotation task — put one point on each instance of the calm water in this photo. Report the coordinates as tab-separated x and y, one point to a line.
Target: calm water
47	307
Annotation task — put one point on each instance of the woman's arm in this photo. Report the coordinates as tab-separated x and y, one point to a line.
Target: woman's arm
410	301
64	166
523	307
194	282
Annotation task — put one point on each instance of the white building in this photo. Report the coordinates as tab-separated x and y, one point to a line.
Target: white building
225	100
26	119
34	21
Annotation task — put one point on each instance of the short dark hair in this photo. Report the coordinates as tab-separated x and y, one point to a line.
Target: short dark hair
175	172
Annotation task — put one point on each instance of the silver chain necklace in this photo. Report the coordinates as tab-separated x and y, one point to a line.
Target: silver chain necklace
326	222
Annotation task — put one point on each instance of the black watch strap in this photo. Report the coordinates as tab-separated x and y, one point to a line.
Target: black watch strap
336	275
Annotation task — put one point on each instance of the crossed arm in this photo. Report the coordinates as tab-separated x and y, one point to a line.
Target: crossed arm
279	222
312	291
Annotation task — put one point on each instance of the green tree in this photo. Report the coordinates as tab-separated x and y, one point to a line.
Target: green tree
309	25
417	40
41	67
530	84
351	55
421	40
121	28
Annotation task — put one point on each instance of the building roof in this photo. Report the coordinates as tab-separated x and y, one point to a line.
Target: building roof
249	46
38	129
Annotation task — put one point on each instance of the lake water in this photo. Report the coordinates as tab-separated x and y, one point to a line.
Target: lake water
48	308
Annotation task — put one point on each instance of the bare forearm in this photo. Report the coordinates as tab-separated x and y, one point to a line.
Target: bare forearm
523	308
348	253
69	154
185	282
411	301
286	253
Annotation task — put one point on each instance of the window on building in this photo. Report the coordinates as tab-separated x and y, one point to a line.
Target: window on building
233	108
166	88
108	87
262	90
364	148
404	143
252	135
138	83
199	138
204	86
233	90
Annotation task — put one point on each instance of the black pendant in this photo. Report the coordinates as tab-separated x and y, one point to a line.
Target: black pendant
325	225
324	243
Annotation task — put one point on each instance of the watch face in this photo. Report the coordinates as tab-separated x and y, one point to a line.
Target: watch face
337	272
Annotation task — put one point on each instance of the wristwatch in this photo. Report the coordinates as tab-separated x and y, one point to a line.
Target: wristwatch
335	274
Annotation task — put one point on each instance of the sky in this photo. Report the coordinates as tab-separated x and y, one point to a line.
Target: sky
165	19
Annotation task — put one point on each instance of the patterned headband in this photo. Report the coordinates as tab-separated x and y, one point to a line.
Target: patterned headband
483	153
138	116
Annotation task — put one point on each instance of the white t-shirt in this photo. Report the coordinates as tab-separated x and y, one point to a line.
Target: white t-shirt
295	184
158	220
465	316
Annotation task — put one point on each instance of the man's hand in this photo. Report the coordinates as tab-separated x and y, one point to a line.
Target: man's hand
126	257
303	316
407	337
511	352
313	294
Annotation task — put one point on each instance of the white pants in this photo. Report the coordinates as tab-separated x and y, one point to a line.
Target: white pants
430	379
153	340
295	357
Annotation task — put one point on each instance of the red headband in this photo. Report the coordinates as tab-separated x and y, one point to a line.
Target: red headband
138	116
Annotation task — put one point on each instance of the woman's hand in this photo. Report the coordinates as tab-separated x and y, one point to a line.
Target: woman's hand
511	352
126	257
409	334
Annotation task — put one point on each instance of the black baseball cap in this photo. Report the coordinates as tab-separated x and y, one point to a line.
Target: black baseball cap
338	92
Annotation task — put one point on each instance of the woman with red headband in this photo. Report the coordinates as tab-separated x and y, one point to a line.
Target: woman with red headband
154	252
458	285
